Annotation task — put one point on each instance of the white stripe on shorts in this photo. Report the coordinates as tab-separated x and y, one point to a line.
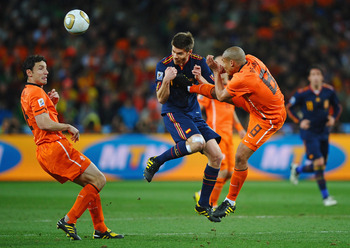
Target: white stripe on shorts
68	154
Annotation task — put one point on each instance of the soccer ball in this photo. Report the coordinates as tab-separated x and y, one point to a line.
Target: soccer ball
76	21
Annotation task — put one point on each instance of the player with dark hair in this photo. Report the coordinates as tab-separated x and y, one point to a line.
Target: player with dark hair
56	154
320	109
253	88
182	116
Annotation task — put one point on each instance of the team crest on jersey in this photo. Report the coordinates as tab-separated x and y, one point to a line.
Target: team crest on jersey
159	75
41	102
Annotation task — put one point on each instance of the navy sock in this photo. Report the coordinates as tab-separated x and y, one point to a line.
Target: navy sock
177	151
308	168
321	182
209	180
305	168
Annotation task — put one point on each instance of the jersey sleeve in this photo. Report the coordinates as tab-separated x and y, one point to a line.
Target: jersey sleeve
37	102
237	86
337	108
160	72
292	106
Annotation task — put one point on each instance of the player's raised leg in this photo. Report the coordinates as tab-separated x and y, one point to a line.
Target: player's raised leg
176	124
182	148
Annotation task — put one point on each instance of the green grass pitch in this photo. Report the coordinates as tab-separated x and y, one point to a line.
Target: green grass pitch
161	214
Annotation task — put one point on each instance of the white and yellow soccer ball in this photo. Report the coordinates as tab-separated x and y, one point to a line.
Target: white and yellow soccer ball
76	21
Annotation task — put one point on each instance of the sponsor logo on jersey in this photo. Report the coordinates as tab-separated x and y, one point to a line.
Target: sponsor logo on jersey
41	102
159	75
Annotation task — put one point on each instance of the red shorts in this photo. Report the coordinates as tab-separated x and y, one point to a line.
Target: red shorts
61	160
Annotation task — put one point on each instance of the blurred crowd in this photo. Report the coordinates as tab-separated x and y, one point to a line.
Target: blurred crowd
105	77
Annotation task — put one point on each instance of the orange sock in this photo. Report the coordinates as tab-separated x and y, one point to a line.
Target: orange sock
237	181
95	209
215	194
203	89
86	195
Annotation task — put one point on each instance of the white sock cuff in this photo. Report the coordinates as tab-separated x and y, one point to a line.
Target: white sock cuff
230	201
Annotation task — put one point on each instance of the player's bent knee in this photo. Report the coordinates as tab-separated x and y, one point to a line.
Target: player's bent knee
241	162
239	159
101	179
197	143
319	164
320	167
217	158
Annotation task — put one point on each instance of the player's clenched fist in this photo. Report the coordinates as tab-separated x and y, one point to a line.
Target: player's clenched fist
170	73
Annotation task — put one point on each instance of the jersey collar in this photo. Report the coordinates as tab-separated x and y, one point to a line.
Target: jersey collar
243	65
182	67
33	84
316	92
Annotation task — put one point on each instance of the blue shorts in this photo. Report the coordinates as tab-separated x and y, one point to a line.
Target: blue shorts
182	126
316	148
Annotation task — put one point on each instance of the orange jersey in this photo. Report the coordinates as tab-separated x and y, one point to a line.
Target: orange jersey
35	101
219	114
254	89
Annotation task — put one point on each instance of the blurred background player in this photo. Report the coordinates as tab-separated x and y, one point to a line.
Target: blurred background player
222	118
182	116
253	88
320	109
56	154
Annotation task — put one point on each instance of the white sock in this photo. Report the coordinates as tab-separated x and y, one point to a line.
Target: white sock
230	201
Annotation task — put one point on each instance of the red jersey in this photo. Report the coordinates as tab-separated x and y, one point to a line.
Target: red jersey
35	101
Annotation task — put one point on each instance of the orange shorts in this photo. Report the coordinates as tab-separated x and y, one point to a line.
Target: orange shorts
259	131
227	149
61	160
